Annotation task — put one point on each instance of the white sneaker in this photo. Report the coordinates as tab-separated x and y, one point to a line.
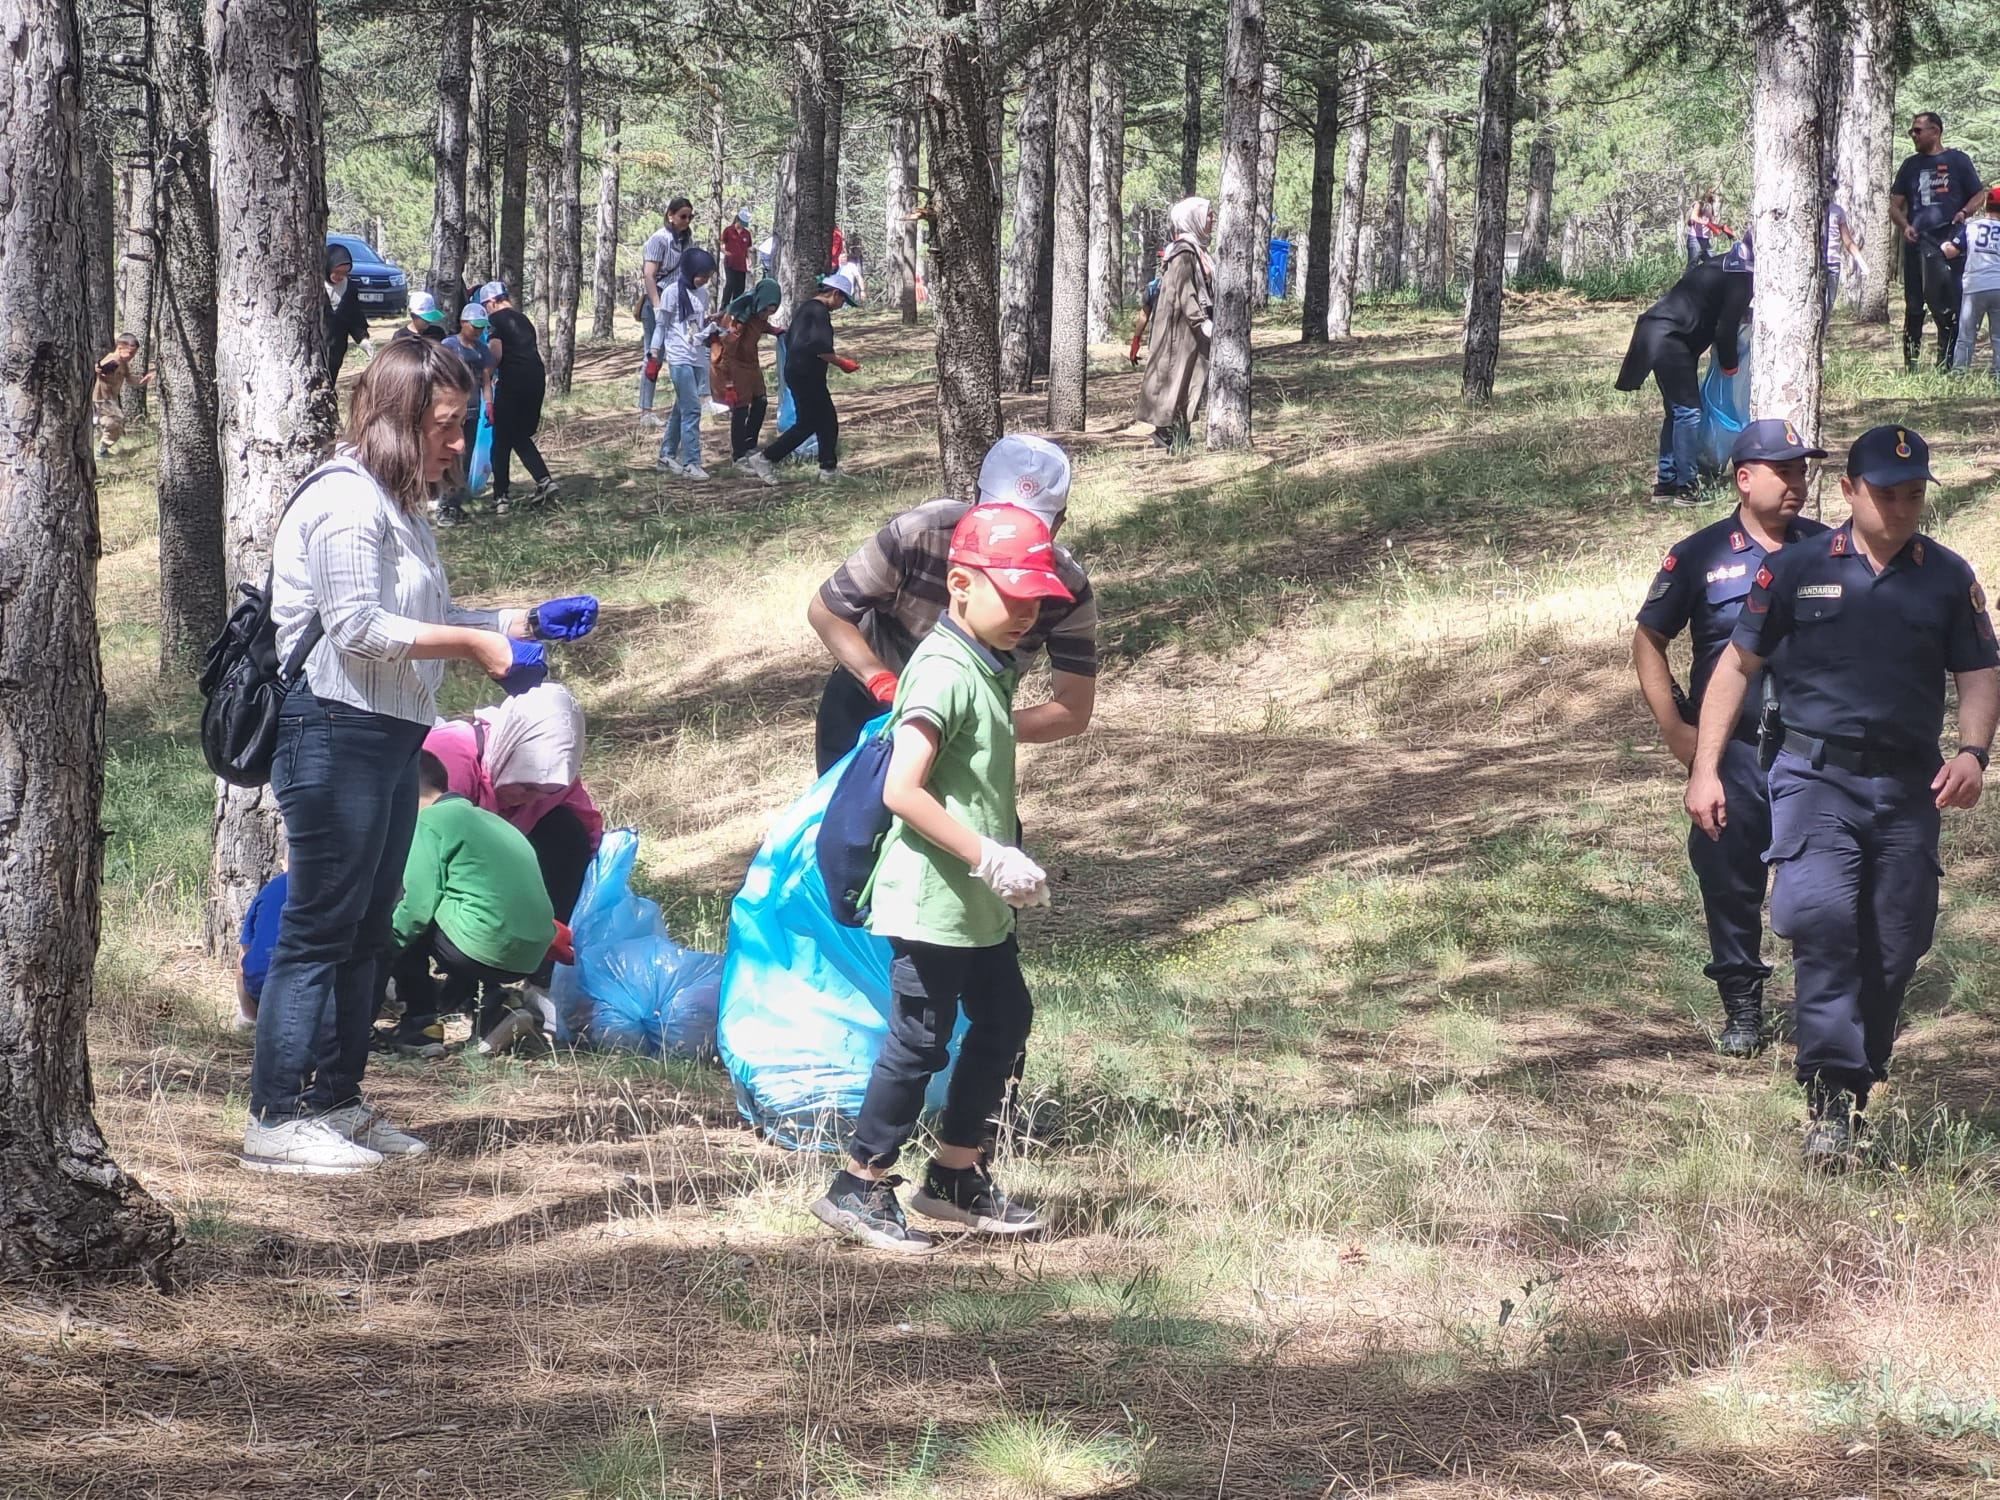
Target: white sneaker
715	408
363	1124
695	472
669	466
506	1032
649	420
309	1146
830	476
501	505
759	465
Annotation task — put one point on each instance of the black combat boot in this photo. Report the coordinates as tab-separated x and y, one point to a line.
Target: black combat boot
1833	1128
1743	1018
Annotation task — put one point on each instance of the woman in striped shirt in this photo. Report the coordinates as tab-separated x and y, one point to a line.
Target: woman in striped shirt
355	554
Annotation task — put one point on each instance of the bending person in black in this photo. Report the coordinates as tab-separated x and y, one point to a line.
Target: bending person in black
1705	307
520	383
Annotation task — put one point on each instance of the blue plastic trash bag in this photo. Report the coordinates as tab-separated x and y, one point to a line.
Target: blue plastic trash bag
805	1001
479	464
788	414
632	987
1725	406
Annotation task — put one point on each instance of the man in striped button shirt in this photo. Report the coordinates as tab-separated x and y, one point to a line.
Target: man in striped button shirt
885	598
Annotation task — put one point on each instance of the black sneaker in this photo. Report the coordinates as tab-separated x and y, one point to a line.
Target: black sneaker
425	1039
967	1196
548	492
1666	492
1743	1035
868	1211
451	515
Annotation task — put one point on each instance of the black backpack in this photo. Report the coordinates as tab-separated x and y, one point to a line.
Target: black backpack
243	682
853	827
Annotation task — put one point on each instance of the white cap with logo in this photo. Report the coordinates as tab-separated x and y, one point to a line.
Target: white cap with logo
1028	471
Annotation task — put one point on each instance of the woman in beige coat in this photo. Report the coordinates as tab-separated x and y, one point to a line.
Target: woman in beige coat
1183	321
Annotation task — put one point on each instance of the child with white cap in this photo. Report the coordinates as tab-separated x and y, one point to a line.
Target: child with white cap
808	352
427	319
885	599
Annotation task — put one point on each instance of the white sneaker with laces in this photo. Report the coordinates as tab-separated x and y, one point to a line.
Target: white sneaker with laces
759	465
304	1147
830	476
695	472
715	408
363	1124
669	466
649	420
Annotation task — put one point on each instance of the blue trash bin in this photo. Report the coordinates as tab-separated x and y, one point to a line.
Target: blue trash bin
1281	265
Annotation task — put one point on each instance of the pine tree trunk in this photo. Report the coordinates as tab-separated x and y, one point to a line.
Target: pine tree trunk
1867	126
802	253
606	302
1353	204
965	284
1572	248
448	155
566	285
899	228
1191	82
541	269
193	588
479	256
1394	205
1792	110
1499	45
993	63
1367	261
1069	301
1533	263
276	413
718	169
1236	228
1267	183
1034	133
1314	294
137	283
1045	259
1434	266
829	162
66	1206
100	245
1107	192
511	253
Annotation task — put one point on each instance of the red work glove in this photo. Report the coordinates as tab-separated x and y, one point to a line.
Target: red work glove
729	395
563	949
1133	353
1729	369
882	687
847	366
653	367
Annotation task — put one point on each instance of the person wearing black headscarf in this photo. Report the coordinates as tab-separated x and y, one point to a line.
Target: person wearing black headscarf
342	318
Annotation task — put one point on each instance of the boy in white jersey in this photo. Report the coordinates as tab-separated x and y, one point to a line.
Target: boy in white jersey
1976	247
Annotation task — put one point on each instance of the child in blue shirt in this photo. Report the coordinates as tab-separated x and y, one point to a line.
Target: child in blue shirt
259	940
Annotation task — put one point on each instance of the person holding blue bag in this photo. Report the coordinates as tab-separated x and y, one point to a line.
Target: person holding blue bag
945	892
469	344
1705	307
359	594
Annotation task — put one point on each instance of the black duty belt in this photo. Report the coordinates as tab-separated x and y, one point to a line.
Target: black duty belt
1862	760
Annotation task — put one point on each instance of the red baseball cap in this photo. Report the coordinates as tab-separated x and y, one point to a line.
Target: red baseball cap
1011	547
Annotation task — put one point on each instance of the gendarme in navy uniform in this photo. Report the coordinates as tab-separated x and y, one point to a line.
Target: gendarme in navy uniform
1701	586
1872	617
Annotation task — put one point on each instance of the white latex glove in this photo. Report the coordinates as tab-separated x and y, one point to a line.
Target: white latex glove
1010	874
1208	328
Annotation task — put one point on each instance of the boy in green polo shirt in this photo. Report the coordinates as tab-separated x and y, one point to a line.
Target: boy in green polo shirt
473	901
945	893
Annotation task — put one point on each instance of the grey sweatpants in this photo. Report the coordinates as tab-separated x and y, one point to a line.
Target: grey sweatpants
1972	309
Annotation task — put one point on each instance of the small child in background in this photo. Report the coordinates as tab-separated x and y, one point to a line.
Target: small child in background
259	941
735	369
1976	246
945	892
470	346
473	903
107	402
684	310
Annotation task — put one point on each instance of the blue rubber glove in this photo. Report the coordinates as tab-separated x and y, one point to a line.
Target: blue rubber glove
530	669
566	619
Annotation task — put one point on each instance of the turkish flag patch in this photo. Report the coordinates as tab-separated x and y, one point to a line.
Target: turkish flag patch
1670	563
1763	578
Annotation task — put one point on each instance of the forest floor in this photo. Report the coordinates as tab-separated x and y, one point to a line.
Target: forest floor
1385	1146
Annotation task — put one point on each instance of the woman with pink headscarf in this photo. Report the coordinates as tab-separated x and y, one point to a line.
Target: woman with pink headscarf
523	758
1176	378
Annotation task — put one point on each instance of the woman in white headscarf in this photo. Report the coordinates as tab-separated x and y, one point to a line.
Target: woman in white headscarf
1176	377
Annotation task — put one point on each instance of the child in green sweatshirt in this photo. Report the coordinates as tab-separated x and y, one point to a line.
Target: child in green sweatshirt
473	903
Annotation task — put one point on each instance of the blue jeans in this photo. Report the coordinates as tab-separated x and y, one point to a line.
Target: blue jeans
346	781
682	439
1680	445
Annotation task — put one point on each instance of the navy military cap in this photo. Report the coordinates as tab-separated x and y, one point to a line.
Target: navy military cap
1889	455
1770	440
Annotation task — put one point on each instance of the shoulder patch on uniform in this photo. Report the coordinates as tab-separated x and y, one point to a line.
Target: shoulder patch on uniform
1978	598
1763	579
1820	590
1840	544
1738	542
1659	590
1669	563
1917	553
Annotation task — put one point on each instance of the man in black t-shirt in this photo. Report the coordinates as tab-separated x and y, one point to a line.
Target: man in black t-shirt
1935	191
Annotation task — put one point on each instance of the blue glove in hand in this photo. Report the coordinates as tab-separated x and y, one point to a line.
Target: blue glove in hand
530	669
566	619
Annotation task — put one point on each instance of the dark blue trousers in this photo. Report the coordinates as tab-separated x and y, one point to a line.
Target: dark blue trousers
1732	872
346	781
1855	871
